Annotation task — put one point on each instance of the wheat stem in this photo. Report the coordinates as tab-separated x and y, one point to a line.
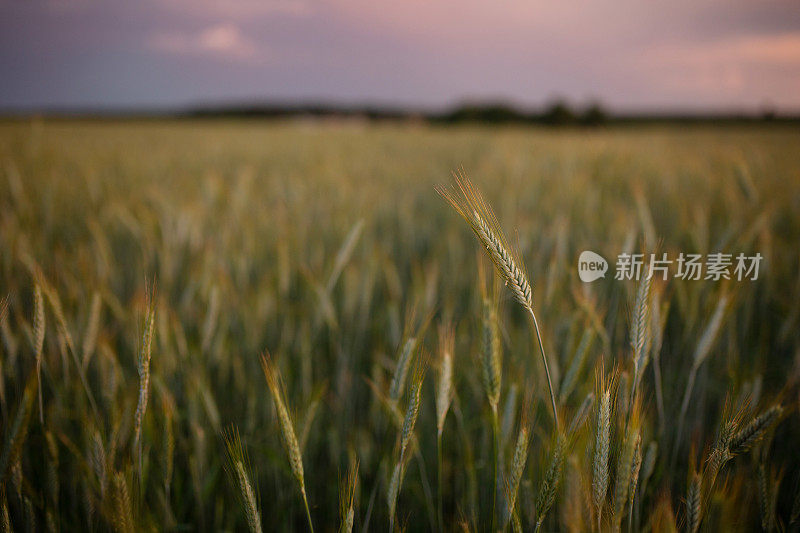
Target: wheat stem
495	453
439	477
546	369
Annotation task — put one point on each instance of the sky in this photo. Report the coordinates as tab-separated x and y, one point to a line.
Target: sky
631	55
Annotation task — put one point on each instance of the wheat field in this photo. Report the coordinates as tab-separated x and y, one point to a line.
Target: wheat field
232	325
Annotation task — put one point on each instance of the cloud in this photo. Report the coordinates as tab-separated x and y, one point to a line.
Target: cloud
781	50
221	41
238	9
740	65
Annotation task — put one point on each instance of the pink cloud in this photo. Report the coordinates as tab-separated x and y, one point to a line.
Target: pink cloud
222	41
239	9
776	50
735	66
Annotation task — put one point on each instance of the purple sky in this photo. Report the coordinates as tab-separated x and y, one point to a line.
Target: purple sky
629	54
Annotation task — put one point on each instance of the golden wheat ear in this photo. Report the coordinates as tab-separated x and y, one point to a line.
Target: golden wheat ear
468	202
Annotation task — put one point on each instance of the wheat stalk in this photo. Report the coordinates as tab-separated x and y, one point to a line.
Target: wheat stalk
92	329
700	354
143	369
648	466
581	414
764	498
253	519
491	371
39	326
491	355
719	455
391	493
406	434
444	396
518	463
168	407
123	513
412	407
468	202
17	429
601	453
347	492
693	504
659	317
65	336
549	485
401	370
444	385
58	311
623	473
729	443
640	332
636	464
744	439
239	473
570	378
288	435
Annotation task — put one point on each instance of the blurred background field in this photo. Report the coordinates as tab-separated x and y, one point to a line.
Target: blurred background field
326	243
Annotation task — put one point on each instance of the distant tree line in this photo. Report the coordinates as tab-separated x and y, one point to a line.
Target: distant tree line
558	113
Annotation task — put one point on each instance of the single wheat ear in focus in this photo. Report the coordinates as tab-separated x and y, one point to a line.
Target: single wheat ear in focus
467	200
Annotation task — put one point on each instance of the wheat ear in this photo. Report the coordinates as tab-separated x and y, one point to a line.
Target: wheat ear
693	509
549	486
491	355
444	383
636	465
623	474
468	202
406	434
347	492
401	370
412	408
518	463
239	472
640	333
288	435
39	325
143	368
491	370
444	396
123	516
65	336
744	439
601	452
